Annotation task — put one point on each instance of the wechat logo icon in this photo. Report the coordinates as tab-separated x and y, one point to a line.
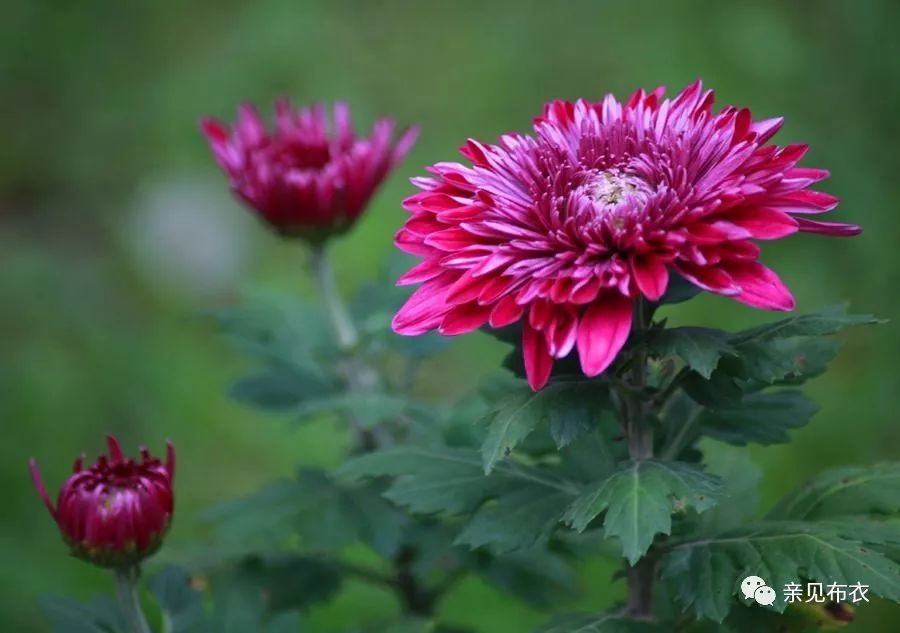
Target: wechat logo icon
755	588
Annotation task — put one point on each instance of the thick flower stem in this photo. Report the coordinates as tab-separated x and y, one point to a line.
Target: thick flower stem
347	336
642	575
129	600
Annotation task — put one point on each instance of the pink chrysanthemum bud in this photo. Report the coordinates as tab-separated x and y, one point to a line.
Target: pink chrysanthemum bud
565	229
305	180
116	512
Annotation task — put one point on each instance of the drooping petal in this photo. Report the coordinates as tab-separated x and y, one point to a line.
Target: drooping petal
651	276
760	287
464	318
602	332
538	361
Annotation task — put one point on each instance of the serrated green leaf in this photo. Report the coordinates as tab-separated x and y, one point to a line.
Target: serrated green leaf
367	408
521	518
313	507
444	479
720	390
760	418
528	501
429	479
181	605
570	407
844	491
277	328
700	348
100	615
792	360
277	390
289	581
599	623
739	499
829	321
708	569
639	500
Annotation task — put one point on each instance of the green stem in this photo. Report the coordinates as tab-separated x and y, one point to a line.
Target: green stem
641	576
347	336
359	377
129	600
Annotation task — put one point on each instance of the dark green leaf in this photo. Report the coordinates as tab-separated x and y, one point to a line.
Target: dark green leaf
181	605
739	500
527	501
602	623
700	348
313	507
276	328
720	390
708	569
570	408
274	390
521	518
639	500
760	418
791	360
844	491
829	321
429	479
289	581
367	408
100	615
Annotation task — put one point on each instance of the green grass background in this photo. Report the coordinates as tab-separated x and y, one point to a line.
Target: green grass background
116	230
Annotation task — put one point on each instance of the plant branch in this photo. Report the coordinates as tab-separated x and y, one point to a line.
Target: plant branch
129	600
663	397
677	444
359	377
345	331
642	575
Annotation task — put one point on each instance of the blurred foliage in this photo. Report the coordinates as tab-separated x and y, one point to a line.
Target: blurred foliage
116	230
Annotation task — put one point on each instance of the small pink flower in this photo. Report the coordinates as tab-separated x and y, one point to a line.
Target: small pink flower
116	512
565	229
305	180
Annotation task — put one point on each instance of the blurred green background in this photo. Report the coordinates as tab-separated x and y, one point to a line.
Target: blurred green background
116	229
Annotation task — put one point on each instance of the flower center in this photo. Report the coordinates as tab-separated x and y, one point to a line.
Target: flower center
612	195
613	188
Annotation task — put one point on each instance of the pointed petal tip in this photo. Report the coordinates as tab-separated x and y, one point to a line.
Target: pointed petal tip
214	130
39	486
170	458
537	358
115	449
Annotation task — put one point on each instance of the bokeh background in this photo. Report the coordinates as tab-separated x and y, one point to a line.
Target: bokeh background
116	229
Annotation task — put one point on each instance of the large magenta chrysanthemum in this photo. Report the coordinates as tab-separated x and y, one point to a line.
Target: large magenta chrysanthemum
566	229
308	178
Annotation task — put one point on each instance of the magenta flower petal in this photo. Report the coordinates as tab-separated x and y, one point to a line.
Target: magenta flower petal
603	331
565	228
